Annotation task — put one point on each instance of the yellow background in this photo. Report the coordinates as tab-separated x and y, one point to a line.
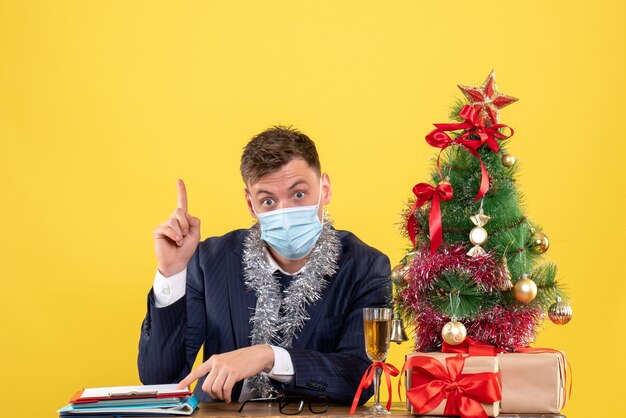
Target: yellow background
103	104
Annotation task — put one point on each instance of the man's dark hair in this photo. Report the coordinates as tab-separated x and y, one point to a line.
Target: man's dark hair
272	149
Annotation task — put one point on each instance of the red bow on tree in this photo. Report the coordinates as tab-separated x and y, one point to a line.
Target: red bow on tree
472	125
432	383
424	193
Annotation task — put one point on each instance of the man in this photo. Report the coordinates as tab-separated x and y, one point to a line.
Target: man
278	306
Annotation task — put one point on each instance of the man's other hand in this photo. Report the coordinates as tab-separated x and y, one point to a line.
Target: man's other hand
224	370
176	239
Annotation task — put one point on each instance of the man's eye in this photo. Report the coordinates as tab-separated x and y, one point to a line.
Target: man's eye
299	195
268	202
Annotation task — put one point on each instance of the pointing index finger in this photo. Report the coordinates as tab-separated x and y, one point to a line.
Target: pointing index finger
182	195
191	377
195	374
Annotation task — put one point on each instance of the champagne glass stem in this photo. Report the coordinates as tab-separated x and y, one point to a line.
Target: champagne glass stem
378	372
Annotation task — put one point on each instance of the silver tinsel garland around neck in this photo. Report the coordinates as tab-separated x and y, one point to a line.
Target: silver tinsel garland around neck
280	315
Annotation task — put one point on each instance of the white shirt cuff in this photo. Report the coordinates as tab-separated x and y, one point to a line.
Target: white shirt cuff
168	290
283	367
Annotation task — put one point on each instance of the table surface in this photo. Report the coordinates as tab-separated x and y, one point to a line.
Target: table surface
221	409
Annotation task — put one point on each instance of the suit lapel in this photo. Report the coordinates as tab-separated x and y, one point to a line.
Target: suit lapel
242	302
315	314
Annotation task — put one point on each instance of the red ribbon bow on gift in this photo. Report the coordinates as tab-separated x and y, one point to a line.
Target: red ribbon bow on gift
463	392
424	193
471	347
368	378
472	125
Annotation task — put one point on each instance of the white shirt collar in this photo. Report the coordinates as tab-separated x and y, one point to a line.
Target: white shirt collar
274	265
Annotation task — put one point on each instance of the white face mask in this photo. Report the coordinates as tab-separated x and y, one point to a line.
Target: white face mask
292	232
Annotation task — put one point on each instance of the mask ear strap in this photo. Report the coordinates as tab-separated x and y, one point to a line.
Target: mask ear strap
319	200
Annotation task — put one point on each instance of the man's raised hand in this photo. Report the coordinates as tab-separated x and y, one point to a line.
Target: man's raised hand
176	239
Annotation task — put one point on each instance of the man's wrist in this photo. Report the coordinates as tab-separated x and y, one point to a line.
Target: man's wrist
269	358
283	370
170	271
168	290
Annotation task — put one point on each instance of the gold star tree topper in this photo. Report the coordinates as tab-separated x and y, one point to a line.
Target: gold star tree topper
487	100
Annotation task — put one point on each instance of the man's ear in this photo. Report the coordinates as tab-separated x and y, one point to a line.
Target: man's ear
248	197
327	190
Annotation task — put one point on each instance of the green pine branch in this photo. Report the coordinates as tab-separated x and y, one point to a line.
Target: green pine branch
456	294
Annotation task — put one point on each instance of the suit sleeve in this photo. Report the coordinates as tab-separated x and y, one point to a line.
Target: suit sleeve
337	374
172	336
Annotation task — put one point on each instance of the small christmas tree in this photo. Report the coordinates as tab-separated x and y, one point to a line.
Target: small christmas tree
475	267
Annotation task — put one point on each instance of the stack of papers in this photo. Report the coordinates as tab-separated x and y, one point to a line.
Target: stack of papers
130	401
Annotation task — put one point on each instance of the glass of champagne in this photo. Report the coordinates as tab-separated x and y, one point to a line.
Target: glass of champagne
377	326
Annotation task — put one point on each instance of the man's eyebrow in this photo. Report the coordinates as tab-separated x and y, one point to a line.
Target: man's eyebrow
261	191
297	183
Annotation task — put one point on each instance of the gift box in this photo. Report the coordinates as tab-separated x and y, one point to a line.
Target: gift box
452	384
533	382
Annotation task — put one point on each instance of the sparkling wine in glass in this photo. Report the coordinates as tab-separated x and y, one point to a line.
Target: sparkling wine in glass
377	328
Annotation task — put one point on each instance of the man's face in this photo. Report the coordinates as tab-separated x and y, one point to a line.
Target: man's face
294	184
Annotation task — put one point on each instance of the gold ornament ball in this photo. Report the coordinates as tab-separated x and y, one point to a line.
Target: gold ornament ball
399	272
525	290
560	312
539	242
478	235
454	333
508	160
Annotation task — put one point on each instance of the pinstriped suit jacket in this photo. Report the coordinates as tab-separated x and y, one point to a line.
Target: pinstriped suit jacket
328	355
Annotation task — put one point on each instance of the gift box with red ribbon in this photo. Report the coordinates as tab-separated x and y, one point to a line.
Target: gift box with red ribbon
534	380
453	384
